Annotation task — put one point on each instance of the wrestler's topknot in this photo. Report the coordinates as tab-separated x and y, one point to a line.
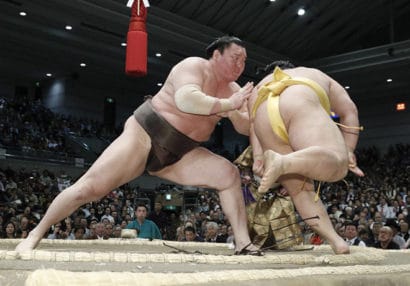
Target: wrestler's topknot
222	43
281	64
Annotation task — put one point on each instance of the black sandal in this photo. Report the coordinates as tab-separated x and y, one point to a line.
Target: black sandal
245	251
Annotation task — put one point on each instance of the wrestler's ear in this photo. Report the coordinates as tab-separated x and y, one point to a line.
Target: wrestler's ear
217	54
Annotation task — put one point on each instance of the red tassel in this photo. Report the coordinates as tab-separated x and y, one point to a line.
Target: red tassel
137	39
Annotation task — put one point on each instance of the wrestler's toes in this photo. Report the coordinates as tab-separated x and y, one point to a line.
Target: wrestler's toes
263	188
340	247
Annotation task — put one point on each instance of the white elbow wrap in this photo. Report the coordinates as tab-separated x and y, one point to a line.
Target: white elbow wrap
189	98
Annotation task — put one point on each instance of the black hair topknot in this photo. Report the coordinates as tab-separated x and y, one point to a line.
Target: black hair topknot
221	43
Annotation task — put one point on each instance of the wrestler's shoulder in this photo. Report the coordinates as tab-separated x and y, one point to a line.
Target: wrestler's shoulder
193	61
307	72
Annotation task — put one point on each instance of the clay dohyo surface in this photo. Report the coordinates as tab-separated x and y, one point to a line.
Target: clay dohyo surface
141	262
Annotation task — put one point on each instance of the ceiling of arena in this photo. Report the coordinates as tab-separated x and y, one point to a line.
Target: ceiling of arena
360	43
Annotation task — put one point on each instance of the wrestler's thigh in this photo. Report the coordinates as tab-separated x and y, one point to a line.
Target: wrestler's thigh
308	124
200	167
121	161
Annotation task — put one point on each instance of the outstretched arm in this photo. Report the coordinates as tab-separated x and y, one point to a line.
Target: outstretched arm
240	120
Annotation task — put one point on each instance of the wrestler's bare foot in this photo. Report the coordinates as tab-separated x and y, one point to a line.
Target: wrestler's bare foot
273	169
29	243
340	247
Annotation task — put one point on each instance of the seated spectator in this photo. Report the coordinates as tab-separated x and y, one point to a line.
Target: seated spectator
212	233
79	232
351	236
404	229
9	230
60	231
98	232
84	224
107	215
386	239
374	235
145	228
223	232
159	217
109	229
116	233
364	235
385	209
396	237
25	225
191	235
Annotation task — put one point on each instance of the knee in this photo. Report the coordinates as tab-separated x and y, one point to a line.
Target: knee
341	168
228	177
86	191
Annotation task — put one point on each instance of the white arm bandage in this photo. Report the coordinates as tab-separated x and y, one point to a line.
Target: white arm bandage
190	99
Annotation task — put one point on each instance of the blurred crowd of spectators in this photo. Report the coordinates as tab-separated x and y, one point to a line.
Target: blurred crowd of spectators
28	125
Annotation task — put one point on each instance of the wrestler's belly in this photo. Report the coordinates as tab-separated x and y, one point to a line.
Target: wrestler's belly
197	127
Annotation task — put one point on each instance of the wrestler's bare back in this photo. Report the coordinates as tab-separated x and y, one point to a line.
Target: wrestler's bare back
197	127
295	105
319	77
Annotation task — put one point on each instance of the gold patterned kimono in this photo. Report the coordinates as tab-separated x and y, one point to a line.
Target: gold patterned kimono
271	220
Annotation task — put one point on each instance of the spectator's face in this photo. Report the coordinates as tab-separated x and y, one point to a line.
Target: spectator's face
385	234
211	231
108	229
117	232
83	222
189	235
341	231
10	228
378	217
141	213
376	229
100	229
92	229
350	231
79	233
24	222
24	234
364	236
404	226
157	207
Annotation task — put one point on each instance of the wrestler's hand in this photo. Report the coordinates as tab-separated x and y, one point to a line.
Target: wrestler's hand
257	167
238	98
353	165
